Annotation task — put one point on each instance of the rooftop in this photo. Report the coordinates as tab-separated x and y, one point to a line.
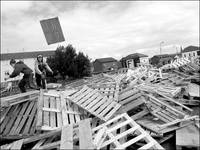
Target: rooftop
135	55
25	55
190	49
104	60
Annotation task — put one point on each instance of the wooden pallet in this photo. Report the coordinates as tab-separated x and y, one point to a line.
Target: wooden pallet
168	114
19	120
133	103
107	134
101	79
54	112
111	90
95	103
130	99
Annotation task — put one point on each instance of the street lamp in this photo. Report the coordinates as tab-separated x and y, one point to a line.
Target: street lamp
160	46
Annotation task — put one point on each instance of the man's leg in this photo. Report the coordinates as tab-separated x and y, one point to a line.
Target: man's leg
38	79
30	82
22	84
44	83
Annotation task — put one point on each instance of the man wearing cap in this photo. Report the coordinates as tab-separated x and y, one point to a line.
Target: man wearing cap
20	67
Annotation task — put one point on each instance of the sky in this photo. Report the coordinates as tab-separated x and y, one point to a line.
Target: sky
102	28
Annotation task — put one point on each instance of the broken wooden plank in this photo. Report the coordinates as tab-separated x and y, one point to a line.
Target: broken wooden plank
67	137
187	137
85	135
17	145
40	104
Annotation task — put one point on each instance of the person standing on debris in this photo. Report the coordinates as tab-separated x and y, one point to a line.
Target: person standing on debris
40	71
20	67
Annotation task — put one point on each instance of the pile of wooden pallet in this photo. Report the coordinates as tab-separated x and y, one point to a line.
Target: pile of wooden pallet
96	113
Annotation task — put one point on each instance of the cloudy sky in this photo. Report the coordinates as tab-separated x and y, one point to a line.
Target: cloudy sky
103	28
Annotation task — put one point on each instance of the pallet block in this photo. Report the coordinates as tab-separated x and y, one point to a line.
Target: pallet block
54	112
95	103
111	137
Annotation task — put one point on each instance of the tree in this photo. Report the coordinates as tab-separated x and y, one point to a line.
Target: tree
67	63
83	65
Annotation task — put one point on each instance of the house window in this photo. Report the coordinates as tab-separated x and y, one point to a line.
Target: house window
194	54
198	53
189	54
184	55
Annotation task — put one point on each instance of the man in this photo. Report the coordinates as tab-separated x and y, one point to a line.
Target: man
27	79
40	71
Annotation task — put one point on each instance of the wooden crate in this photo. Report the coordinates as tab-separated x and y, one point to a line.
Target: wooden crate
54	111
96	104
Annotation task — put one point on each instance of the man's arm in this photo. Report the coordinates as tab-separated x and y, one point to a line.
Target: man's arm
37	70
48	68
16	71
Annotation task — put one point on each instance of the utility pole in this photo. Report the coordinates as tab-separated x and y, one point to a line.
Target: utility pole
160	47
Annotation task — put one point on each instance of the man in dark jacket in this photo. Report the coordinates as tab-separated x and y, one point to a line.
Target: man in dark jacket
20	67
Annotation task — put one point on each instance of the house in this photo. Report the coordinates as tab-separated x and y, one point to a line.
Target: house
133	60
159	60
191	52
27	57
105	65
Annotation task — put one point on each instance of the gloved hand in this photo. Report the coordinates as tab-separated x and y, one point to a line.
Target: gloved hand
9	86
